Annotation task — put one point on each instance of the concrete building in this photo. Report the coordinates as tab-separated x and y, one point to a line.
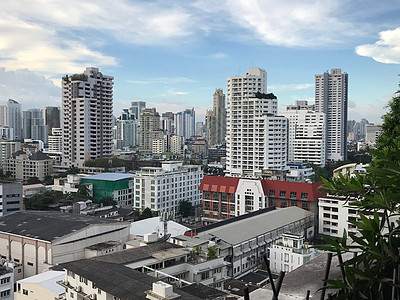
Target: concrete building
6	132
126	131
216	120
7	148
162	188
37	240
331	98
117	186
52	118
227	197
185	123
177	144
244	240
33	125
199	129
14	118
87	101
43	286
149	129
168	122
289	253
350	169
306	135
11	197
55	140
372	132
299	172
256	137
6	281
23	166
137	108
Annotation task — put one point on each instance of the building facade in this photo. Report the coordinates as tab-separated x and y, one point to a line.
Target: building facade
7	148
149	129
14	118
331	98
216	120
256	137
11	197
34	126
162	188
87	101
306	135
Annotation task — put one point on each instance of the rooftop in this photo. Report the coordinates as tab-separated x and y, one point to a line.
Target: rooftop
109	176
47	226
238	231
48	280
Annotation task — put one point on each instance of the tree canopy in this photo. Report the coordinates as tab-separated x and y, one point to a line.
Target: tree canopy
373	272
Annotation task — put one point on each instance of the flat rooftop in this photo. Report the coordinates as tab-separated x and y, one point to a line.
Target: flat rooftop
110	176
47	226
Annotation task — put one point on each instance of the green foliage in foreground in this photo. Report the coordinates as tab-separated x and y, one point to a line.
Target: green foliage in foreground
373	271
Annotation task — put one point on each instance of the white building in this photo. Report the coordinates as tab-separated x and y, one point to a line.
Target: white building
299	172
185	123
14	118
33	125
331	99
306	136
6	281
256	137
289	253
177	144
55	140
372	132
7	148
162	188
87	101
43	286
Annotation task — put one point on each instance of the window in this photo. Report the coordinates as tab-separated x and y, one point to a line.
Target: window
25	292
5	293
304	196
282	194
272	193
293	195
5	280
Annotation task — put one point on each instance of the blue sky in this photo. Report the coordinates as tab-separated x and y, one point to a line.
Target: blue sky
173	54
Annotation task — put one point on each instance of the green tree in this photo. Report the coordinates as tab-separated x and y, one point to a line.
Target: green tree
373	272
107	201
33	180
42	200
212	252
185	208
146	213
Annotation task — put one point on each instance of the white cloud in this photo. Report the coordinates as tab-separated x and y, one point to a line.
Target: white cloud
181	93
28	88
289	87
386	50
163	80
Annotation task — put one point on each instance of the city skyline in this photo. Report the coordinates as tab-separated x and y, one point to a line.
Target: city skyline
174	55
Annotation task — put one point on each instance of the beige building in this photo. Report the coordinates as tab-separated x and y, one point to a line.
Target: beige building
7	148
149	129
23	166
43	286
36	240
216	120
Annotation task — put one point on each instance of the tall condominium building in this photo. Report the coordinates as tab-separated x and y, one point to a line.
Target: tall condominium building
306	134
331	99
168	122
256	137
216	120
149	129
87	101
137	108
14	118
185	123
52	117
7	148
126	131
55	140
34	125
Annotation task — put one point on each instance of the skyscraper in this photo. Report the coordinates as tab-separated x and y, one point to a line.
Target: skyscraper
87	101
256	138
149	129
52	118
331	99
137	108
185	123
14	118
34	125
126	130
216	120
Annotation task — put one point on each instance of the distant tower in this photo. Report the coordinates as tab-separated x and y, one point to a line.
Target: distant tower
331	92
149	129
14	118
137	108
52	118
216	120
34	125
87	101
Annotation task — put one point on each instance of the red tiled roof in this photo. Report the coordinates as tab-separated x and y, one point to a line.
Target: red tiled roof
219	184
288	186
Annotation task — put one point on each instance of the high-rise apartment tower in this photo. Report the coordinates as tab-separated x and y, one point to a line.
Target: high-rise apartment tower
87	101
331	90
216	120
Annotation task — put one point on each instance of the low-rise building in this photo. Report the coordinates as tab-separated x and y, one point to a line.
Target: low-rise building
23	166
29	190
43	286
37	240
10	197
117	186
162	188
350	169
6	281
289	253
299	172
227	197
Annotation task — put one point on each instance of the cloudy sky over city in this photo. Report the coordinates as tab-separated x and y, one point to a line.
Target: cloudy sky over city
174	54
